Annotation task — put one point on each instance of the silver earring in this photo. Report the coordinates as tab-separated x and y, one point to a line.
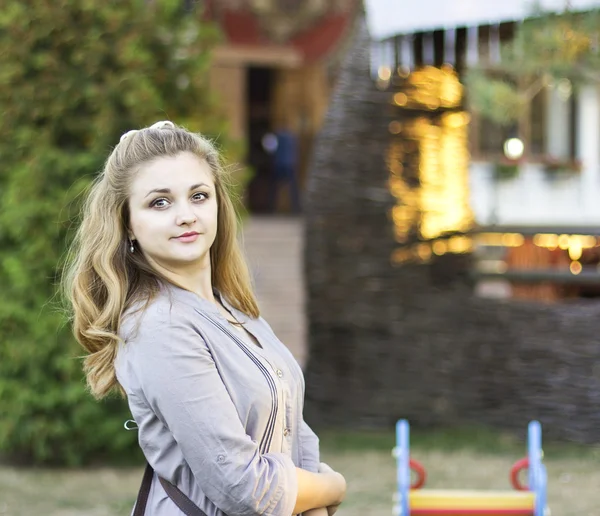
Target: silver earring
131	248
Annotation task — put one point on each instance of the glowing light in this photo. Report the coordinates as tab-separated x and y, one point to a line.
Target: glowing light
586	241
403	71
575	250
440	247
564	88
428	161
400	99
513	148
575	268
490	239
424	252
457	120
443	175
460	244
513	240
400	256
430	86
549	241
384	73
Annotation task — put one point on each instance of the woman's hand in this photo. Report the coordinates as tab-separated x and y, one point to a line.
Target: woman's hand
340	481
326	489
316	512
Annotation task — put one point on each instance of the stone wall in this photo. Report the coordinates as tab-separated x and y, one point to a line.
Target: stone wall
388	342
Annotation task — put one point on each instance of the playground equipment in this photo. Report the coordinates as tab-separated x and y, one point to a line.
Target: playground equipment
528	500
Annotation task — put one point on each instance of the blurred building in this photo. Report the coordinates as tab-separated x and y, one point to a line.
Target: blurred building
274	71
538	225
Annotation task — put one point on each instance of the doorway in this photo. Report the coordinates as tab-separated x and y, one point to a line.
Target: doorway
259	96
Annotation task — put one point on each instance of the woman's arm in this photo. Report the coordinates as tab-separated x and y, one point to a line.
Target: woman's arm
316	490
316	512
309	446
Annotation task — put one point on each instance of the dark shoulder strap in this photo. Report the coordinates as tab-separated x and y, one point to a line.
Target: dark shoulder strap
188	507
142	498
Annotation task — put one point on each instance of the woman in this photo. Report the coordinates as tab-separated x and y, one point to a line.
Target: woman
163	303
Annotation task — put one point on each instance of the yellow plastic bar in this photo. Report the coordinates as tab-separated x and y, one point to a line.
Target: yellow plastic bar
423	499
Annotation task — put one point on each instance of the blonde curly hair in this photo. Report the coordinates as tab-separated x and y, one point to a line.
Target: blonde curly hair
102	279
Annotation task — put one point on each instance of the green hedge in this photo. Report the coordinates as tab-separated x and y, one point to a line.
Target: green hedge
74	76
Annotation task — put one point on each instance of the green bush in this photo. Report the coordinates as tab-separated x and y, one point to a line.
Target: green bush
74	76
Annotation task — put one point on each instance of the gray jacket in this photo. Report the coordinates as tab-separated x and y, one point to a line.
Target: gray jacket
218	417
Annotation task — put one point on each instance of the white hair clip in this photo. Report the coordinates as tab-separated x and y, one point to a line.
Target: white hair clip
162	124
127	134
158	125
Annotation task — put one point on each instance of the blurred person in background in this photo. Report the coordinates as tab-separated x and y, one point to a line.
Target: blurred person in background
163	303
283	146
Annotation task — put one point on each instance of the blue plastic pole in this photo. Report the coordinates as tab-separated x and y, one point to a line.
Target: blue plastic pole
537	471
403	465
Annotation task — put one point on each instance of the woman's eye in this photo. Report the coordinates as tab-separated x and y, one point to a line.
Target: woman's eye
158	203
200	196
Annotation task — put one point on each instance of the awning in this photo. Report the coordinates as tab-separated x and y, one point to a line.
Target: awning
387	18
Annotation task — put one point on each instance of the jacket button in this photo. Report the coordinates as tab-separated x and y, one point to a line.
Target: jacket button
286	432
280	373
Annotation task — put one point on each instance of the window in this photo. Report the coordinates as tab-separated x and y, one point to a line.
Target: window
548	130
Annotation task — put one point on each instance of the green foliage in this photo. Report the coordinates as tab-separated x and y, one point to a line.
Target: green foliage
75	75
497	99
548	50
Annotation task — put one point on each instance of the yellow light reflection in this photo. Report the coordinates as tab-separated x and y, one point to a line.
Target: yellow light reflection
550	241
585	241
575	268
440	247
432	88
403	71
513	240
588	241
428	160
575	250
384	73
490	239
400	99
575	244
460	244
424	252
563	242
443	172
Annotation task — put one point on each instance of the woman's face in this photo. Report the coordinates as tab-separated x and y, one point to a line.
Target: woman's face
173	212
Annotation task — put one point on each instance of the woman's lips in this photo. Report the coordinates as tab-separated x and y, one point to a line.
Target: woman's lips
188	237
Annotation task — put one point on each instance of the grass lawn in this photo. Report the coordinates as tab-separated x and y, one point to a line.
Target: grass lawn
454	459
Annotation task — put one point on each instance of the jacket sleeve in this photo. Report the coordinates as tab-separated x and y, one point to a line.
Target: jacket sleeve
180	382
309	445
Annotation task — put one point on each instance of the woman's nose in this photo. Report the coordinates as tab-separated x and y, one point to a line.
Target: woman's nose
186	215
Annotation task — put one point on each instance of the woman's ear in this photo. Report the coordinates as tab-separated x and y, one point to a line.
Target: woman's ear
129	231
